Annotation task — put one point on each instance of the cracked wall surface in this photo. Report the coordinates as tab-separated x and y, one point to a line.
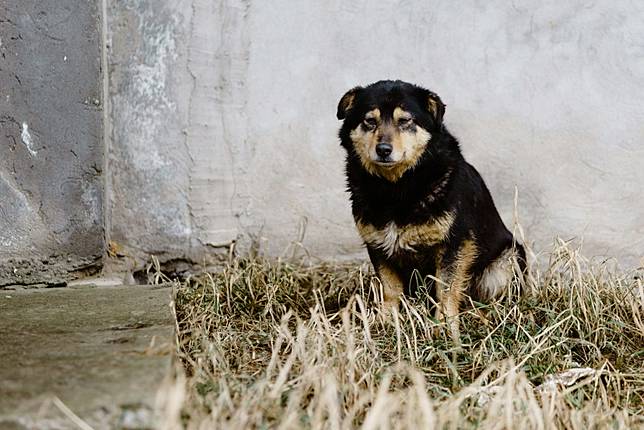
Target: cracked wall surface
224	129
51	152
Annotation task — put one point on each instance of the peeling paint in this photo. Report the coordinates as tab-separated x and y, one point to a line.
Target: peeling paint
148	192
149	101
17	220
7	181
91	200
27	139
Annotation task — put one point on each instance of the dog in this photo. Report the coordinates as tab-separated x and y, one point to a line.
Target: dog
417	204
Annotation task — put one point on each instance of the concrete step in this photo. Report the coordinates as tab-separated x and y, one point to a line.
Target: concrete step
101	352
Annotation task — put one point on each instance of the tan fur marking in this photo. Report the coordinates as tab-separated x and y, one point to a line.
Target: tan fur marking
433	106
431	233
364	142
456	277
400	113
385	239
392	239
375	114
392	285
408	146
412	144
346	102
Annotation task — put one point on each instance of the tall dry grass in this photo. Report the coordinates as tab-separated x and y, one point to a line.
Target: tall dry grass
273	345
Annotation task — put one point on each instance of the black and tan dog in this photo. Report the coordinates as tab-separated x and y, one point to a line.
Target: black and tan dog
417	203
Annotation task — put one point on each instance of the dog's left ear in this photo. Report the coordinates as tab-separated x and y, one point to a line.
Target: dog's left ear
433	104
346	102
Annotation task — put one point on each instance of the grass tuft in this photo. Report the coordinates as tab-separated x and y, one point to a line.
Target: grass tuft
268	344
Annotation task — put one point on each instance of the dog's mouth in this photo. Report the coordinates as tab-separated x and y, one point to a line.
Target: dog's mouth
387	162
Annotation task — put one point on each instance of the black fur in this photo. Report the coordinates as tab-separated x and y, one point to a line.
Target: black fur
421	194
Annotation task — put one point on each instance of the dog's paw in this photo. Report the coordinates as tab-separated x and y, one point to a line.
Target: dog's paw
388	312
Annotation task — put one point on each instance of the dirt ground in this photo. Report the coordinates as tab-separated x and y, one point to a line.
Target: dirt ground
98	353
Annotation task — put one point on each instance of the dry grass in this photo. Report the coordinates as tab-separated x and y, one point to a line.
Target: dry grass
273	345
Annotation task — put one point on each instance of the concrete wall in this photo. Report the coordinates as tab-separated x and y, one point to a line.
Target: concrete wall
224	127
148	184
51	152
221	123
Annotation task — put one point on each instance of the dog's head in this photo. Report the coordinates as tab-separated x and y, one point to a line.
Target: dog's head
389	125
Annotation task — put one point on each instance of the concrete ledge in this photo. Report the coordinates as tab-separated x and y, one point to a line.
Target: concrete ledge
103	351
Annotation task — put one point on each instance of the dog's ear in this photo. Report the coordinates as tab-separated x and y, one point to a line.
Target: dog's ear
346	102
433	104
436	107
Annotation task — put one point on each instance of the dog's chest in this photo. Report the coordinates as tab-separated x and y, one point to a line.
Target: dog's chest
391	239
394	239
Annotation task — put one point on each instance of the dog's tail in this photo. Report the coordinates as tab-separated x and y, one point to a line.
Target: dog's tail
522	260
521	270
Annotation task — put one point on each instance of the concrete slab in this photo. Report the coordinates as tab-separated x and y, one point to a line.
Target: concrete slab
98	281
102	351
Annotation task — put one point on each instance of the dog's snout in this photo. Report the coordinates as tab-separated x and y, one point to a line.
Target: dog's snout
384	149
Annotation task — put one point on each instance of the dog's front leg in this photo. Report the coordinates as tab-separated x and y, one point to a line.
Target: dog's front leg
392	286
454	274
392	283
449	293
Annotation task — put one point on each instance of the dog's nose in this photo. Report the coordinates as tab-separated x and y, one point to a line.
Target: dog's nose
383	149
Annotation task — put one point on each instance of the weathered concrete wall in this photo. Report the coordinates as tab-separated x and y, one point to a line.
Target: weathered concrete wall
224	116
148	182
51	153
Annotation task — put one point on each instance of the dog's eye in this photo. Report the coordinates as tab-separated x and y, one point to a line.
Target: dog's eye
370	123
404	121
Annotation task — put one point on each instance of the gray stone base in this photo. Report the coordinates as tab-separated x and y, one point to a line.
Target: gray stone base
102	351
